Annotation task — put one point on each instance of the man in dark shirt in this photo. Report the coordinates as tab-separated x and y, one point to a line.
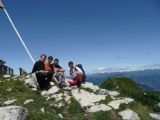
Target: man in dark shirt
57	66
41	74
59	73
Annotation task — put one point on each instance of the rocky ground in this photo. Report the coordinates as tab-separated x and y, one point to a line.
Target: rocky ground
67	103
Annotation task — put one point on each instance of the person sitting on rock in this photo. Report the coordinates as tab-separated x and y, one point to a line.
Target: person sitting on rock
48	65
76	74
41	74
59	74
50	68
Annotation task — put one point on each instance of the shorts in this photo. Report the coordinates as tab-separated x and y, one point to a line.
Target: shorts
75	81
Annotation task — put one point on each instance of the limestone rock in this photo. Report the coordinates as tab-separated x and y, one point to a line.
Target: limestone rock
98	90
28	76
44	93
13	113
14	77
28	101
159	105
155	116
67	98
113	93
59	105
34	89
32	82
57	97
97	108
53	90
42	110
129	100
116	103
6	76
52	83
60	115
9	90
91	86
107	92
9	102
129	115
86	98
67	88
102	92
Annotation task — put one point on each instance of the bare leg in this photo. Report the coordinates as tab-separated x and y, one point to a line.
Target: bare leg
54	79
62	75
66	82
69	81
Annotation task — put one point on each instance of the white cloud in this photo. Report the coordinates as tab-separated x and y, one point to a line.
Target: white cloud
153	66
102	70
109	70
121	69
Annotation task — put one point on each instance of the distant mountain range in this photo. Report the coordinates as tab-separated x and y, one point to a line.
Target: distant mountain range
149	80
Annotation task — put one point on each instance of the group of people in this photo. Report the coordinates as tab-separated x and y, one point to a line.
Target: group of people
48	70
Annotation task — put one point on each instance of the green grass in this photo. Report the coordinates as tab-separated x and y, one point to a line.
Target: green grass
106	101
151	99
141	110
129	88
105	116
74	111
88	90
138	108
124	85
22	93
75	107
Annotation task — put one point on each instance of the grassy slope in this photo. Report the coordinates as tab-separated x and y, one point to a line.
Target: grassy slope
146	102
74	110
22	93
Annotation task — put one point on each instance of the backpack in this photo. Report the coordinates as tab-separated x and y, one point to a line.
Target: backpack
81	67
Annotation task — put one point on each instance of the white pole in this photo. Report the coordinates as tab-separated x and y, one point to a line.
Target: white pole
20	38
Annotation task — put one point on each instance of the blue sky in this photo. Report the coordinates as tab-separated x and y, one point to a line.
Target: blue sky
97	33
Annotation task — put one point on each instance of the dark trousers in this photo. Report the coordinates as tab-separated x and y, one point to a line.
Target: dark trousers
44	80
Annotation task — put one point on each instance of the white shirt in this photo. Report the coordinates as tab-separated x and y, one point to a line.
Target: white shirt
75	70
